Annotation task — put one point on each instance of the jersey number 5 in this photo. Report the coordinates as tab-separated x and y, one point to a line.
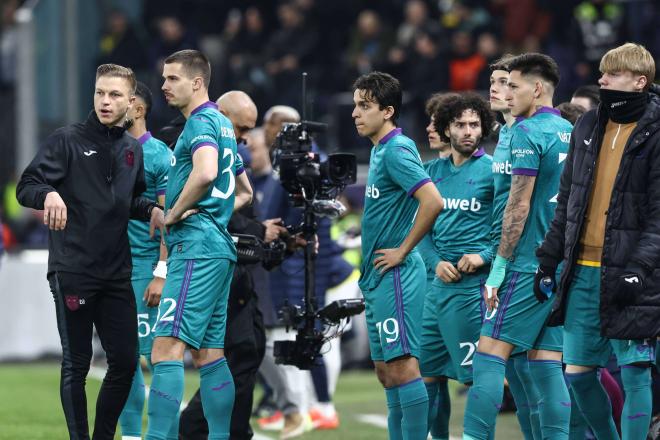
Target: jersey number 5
229	170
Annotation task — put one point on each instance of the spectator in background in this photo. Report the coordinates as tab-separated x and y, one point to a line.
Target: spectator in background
416	20
598	26
570	112
465	63
368	45
588	97
172	37
488	47
120	44
287	50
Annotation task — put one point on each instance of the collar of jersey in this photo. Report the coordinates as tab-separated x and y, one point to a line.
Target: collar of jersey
144	138
390	135
207	104
480	152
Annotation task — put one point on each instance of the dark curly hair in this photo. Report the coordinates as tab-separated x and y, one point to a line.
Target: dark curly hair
453	107
435	101
381	88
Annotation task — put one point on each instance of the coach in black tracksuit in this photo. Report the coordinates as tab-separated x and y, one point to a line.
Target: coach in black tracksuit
88	178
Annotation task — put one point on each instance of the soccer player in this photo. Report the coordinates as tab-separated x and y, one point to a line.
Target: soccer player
88	178
206	183
453	304
432	349
604	231
401	205
515	318
149	257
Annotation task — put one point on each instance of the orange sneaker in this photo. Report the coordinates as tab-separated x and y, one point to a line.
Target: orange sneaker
272	423
322	421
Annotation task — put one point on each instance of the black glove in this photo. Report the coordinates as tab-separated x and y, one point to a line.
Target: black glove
630	284
544	283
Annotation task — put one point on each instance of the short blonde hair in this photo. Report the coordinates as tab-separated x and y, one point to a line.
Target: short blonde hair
115	70
629	57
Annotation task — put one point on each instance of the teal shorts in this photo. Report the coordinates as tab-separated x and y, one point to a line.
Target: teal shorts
519	318
193	307
434	360
393	311
146	316
583	343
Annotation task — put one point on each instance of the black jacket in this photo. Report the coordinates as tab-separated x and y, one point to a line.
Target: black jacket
99	173
632	230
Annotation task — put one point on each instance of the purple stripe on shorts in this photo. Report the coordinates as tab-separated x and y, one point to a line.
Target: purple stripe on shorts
418	185
176	326
482	302
204	144
504	304
524	172
398	296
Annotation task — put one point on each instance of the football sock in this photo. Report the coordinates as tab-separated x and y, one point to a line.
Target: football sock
519	396
440	427
637	407
485	396
216	387
432	392
130	419
414	402
578	425
164	398
555	402
594	404
394	414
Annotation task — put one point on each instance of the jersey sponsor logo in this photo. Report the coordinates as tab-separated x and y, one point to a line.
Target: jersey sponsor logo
172	161
200	138
501	167
372	192
473	204
561	158
564	136
89	153
522	152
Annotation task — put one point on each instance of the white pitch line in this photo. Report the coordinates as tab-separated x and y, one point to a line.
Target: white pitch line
380	421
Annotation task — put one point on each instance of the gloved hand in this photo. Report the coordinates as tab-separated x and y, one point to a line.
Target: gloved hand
544	283
630	284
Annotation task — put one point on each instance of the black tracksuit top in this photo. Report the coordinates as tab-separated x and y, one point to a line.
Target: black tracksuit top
99	173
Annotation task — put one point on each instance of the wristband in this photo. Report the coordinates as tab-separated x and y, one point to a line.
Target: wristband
161	270
497	271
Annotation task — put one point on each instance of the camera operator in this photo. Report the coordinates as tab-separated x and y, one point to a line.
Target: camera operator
245	338
287	287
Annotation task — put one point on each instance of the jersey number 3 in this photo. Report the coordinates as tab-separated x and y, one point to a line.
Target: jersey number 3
229	170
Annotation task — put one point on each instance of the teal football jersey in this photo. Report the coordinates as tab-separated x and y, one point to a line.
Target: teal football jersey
539	146
157	159
501	180
395	173
204	235
463	226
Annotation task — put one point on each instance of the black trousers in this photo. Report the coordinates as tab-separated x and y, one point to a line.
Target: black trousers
245	345
80	302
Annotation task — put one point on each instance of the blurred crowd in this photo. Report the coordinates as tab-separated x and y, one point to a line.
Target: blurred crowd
262	46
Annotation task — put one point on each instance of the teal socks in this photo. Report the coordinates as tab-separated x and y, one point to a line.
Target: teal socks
432	392
130	419
519	396
164	398
578	425
555	402
637	407
414	402
485	396
594	404
216	387
394	414
440	428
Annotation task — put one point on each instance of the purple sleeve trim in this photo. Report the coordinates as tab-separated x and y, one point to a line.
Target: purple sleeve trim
240	171
161	192
417	186
524	172
204	144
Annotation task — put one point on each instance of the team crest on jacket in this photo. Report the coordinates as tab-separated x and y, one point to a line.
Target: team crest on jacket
130	158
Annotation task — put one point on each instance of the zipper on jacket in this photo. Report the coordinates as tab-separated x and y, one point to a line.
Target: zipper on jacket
618	130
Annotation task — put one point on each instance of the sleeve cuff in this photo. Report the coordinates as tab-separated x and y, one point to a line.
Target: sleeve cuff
525	172
204	144
240	171
418	185
161	192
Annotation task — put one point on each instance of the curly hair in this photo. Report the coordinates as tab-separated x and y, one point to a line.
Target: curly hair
453	107
435	101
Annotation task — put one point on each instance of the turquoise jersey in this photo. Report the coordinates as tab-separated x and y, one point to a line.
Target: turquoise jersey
395	173
204	235
157	159
539	146
463	226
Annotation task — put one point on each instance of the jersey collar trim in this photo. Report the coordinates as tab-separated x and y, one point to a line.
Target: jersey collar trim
144	138
207	104
389	136
545	109
480	152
